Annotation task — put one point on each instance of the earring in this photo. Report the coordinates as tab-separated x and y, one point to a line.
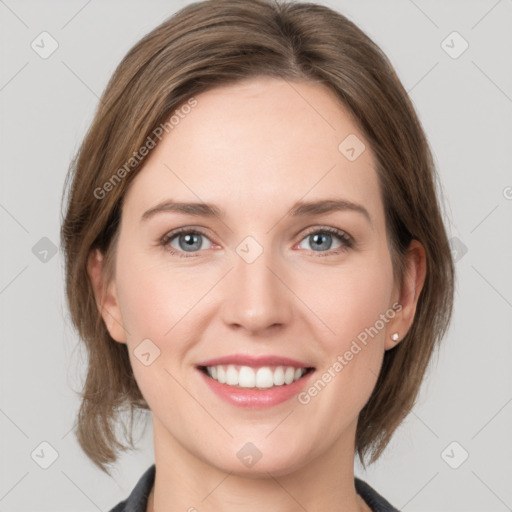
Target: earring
394	336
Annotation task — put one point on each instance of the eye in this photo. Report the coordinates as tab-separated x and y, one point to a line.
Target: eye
187	240
184	240
321	240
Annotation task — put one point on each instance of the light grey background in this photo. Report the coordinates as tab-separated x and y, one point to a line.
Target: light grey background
465	105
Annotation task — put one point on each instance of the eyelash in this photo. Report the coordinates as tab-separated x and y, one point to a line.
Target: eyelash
346	240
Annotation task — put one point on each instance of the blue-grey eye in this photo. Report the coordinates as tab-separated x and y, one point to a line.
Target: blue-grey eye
321	240
188	241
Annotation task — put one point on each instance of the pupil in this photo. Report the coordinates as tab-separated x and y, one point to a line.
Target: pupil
191	241
320	238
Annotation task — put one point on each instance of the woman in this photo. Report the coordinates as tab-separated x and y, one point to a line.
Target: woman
255	254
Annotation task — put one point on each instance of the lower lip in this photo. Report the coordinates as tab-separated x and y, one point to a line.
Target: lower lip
255	398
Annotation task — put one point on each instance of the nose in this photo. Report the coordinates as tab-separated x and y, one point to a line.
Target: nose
257	298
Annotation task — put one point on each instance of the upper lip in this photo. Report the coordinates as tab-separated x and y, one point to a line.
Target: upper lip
254	361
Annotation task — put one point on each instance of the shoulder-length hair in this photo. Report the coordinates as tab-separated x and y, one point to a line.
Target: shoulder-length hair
217	42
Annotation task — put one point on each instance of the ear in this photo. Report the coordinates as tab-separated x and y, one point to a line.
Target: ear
408	295
105	294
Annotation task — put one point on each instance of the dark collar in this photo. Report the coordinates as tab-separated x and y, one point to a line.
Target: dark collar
138	499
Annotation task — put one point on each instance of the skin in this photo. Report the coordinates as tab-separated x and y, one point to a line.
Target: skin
253	149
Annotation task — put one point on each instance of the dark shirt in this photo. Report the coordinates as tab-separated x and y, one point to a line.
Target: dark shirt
138	499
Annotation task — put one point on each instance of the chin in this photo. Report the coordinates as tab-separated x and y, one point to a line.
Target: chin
253	460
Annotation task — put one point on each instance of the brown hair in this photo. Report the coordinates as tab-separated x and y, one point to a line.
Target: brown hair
218	42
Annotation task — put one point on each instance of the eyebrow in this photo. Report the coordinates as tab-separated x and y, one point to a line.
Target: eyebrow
299	209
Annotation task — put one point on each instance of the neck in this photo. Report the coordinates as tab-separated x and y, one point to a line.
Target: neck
186	482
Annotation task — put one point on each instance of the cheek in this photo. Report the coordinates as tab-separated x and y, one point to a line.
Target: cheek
154	298
353	354
160	304
144	303
350	299
155	311
354	308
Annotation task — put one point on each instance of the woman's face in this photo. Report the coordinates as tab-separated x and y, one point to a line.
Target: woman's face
266	285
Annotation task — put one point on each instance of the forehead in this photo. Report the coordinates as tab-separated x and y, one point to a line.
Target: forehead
263	141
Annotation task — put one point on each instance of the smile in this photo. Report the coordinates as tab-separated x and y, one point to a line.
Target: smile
264	377
255	381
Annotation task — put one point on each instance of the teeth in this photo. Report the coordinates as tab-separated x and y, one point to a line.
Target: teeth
289	375
246	377
261	378
231	376
264	378
278	376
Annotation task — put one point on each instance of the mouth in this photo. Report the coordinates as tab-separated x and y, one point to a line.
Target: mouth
255	382
249	377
